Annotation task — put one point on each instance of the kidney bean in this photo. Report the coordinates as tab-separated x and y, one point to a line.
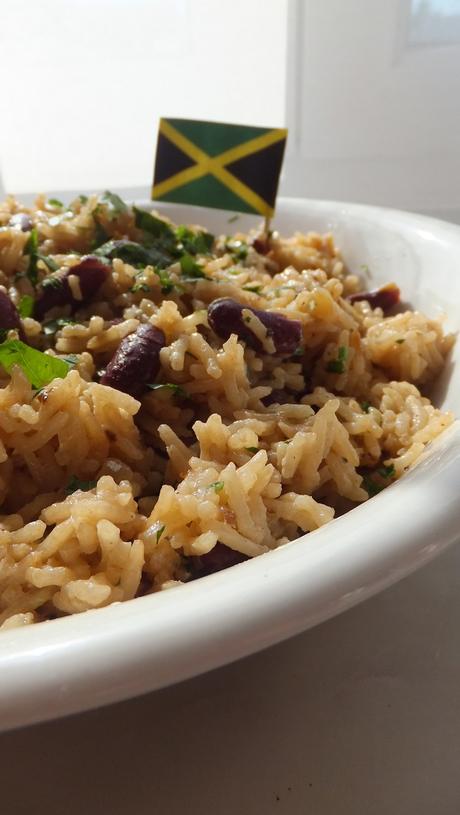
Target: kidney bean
262	244
221	557
225	317
136	361
385	298
9	315
22	221
56	291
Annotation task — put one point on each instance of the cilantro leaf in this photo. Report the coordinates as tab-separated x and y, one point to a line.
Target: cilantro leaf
337	366
31	249
217	485
26	306
75	484
177	390
40	369
52	326
113	204
254	288
252	449
54	202
194	243
160	532
387	472
154	226
190	267
52	265
366	406
238	249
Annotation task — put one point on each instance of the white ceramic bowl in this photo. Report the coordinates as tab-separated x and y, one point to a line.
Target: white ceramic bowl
90	659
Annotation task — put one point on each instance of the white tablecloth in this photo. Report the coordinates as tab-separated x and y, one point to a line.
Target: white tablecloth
360	716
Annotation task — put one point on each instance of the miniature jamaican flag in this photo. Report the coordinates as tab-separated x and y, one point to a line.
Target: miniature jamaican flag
224	166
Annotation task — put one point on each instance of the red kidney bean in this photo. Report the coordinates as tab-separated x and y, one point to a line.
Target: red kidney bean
56	291
225	317
221	557
136	361
22	221
262	244
9	315
384	298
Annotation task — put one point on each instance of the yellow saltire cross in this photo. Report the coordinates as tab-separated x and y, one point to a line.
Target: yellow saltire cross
255	193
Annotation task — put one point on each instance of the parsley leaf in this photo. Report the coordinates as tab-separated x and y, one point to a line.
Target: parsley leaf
337	366
177	390
26	306
252	449
366	406
190	267
139	287
40	369
194	243
238	249
113	204
160	532
387	472
75	484
52	326
217	486
54	202
154	226
255	288
31	249
52	265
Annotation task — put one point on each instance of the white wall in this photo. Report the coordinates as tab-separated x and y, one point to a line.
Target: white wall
85	81
374	117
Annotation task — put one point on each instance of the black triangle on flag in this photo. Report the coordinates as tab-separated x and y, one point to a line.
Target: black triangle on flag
260	170
169	160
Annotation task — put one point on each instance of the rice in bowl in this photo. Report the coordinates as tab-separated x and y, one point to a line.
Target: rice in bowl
171	403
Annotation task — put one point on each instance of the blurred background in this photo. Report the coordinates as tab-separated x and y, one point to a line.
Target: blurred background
368	89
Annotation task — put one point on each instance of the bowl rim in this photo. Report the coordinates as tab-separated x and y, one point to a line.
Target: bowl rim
82	661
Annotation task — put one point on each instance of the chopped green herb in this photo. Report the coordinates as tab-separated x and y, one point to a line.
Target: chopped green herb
139	287
54	202
247	319
83	199
177	390
190	267
233	219
194	243
238	249
114	206
166	283
399	342
150	223
100	234
371	487
40	369
52	265
217	486
75	484
366	406
252	449
160	532
71	360
52	283
337	366
26	306
299	351
52	326
387	472
255	288
31	249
